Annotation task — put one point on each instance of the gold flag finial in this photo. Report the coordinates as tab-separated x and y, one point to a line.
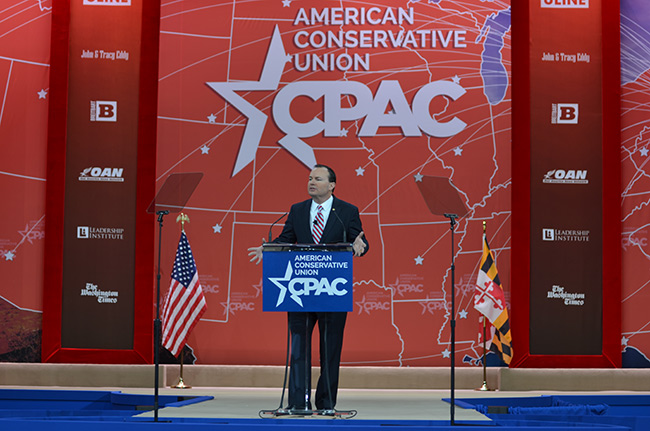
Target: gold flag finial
182	217
484	224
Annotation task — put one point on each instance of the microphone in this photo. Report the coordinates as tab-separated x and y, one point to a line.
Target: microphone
345	233
273	224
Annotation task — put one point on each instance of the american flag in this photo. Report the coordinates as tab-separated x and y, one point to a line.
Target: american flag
185	303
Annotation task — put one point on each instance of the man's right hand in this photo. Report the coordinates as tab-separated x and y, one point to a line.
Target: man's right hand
256	253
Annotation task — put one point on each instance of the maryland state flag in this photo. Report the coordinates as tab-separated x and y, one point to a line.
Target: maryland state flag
490	301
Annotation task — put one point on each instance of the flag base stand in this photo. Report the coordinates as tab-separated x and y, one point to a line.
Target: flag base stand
484	387
181	384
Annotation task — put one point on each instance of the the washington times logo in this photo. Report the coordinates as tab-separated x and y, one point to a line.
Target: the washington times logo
564	113
568	298
103	110
107	3
103	296
566	4
565	235
569	176
298	287
102	174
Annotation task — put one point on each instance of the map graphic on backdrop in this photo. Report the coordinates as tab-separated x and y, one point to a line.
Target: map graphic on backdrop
384	93
369	133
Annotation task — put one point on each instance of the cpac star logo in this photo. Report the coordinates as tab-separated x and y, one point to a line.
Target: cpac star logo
387	107
269	81
283	289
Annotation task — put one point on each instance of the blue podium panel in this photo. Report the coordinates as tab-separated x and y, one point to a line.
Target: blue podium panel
307	280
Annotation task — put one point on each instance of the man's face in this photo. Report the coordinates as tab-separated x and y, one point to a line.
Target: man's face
319	186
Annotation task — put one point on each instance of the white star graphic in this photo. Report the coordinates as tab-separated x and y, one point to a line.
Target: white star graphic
458	151
462	314
212	118
455	79
644	151
343	132
286	3
25	234
360	171
269	81
419	260
9	255
624	341
227	308
418	177
42	94
258	288
216	228
205	149
283	289
446	353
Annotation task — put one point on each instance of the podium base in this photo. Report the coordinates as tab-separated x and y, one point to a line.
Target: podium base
336	414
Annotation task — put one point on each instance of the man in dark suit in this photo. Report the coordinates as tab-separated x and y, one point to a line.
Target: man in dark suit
320	220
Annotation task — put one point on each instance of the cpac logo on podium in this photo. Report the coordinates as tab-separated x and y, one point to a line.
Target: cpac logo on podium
306	286
413	120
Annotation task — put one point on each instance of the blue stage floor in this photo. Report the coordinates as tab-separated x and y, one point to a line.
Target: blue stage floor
237	409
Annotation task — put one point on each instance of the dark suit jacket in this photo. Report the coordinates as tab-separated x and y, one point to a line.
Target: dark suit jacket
297	228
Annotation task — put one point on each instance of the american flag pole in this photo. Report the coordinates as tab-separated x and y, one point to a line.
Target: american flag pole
157	323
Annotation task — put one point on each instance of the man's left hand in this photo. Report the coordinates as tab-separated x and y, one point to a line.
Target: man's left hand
358	245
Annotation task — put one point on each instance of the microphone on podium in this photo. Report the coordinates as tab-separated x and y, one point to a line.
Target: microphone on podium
273	224
345	233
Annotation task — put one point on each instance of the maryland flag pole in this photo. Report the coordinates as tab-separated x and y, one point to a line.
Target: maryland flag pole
185	302
490	301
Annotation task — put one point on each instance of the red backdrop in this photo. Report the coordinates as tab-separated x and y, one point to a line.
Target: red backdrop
402	285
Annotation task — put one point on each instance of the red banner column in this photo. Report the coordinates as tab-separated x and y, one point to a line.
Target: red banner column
566	176
101	175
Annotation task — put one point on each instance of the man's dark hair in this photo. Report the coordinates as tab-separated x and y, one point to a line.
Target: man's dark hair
330	172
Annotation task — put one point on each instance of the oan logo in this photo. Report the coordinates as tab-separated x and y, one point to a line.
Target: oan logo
570	176
566	4
102	174
306	286
103	110
564	113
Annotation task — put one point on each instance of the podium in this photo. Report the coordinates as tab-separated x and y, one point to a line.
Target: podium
306	278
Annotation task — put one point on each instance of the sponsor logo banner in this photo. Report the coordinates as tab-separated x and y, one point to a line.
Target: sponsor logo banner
569	176
565	4
90	232
107	2
102	174
103	110
567	298
564	113
103	296
565	235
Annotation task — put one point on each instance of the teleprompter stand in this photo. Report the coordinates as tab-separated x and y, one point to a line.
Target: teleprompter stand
275	261
443	199
171	198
